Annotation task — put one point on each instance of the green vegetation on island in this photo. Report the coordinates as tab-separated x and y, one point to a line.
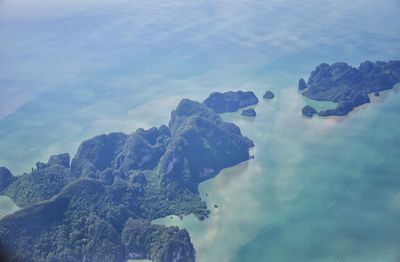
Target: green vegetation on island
100	206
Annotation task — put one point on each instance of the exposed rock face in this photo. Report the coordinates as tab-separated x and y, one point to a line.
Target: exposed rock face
99	207
308	111
6	178
302	84
230	101
62	159
268	95
348	86
250	112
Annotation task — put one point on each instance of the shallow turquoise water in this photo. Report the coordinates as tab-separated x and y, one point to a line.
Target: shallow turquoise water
317	190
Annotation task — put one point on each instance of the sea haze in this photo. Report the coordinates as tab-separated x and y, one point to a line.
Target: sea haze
317	189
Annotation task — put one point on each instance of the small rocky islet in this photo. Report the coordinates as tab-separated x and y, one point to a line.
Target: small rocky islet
268	95
99	205
249	112
347	86
308	111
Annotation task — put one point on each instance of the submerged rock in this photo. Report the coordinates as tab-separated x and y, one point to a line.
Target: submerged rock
308	111
230	101
268	95
249	112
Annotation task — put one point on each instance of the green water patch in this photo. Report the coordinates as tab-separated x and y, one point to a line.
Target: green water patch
320	105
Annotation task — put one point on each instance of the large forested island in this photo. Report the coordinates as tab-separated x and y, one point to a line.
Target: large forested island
99	206
347	86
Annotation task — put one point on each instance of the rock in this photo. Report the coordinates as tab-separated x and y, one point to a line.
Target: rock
268	95
308	111
349	86
62	159
360	99
366	67
302	84
6	178
376	94
249	112
41	165
230	101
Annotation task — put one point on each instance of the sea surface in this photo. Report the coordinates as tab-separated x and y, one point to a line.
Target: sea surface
317	189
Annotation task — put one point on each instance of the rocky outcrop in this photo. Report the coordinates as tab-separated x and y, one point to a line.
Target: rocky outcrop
308	111
250	112
349	86
6	178
62	159
302	84
230	101
268	95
